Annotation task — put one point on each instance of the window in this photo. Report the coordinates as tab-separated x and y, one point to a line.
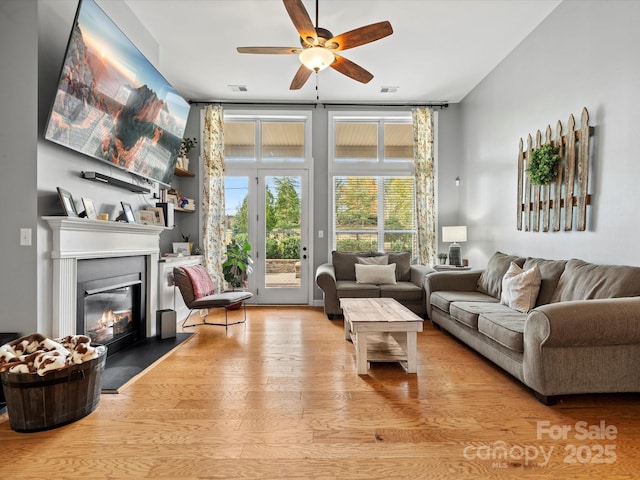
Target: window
267	139
374	214
372	182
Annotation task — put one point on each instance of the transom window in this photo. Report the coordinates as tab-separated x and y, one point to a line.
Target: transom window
265	139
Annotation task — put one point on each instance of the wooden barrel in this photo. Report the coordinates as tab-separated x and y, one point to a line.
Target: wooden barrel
60	397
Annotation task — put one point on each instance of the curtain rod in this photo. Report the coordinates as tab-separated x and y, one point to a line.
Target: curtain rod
440	105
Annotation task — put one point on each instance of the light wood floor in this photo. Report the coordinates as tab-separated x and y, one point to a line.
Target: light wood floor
279	398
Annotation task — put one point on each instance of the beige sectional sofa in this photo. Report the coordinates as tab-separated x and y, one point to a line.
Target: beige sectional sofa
338	280
581	336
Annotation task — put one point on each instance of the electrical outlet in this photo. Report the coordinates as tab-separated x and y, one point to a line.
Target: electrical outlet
25	237
320	233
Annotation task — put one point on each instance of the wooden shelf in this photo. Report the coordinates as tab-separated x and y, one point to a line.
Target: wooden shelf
178	209
181	172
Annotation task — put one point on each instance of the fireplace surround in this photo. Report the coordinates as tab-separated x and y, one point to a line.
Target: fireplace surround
77	239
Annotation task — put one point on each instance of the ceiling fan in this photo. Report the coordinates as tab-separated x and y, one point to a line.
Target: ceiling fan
319	46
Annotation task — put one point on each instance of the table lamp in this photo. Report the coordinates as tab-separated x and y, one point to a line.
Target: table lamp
454	235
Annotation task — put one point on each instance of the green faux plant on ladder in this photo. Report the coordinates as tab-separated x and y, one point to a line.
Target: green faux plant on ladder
543	164
238	264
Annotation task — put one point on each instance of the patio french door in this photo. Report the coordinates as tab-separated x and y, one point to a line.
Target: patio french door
271	209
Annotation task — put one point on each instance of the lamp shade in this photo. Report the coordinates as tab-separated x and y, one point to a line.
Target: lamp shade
316	58
454	234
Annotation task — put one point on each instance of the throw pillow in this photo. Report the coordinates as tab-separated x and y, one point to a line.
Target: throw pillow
520	288
377	260
201	281
403	265
490	281
343	263
376	274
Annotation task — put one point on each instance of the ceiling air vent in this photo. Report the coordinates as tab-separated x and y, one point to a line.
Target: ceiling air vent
388	89
238	88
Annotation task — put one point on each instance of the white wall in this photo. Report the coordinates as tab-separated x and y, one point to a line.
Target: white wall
583	55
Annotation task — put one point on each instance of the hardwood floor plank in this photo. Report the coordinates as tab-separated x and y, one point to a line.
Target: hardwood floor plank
279	398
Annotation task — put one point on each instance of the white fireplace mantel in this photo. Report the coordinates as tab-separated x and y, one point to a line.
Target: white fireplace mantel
80	238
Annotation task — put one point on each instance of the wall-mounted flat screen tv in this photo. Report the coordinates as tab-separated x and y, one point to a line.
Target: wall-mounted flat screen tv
112	104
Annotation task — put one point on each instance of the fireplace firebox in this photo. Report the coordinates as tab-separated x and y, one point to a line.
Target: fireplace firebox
111	301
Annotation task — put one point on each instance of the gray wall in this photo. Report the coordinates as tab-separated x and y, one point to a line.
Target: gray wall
59	166
18	129
583	55
33	38
449	151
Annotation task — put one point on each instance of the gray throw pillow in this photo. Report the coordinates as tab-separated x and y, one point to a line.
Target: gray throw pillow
586	281
403	265
490	281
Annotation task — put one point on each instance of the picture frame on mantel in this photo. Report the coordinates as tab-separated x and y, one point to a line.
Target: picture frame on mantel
89	209
127	212
66	200
158	217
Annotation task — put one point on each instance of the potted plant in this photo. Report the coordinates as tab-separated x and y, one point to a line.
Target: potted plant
543	164
238	264
186	146
187	239
442	257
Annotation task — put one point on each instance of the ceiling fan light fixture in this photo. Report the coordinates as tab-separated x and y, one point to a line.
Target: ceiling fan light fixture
316	58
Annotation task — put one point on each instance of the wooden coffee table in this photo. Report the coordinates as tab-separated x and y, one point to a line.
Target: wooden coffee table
382	330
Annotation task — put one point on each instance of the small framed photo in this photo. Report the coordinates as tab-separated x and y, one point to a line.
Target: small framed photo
67	202
89	209
181	248
128	212
145	217
173	199
158	216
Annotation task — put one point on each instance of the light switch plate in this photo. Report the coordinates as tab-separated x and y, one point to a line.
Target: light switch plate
25	237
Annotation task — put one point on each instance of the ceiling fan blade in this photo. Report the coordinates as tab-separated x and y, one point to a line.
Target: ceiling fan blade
360	36
301	20
302	75
350	69
269	50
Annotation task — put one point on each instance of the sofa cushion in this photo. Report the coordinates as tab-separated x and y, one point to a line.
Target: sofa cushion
520	288
344	264
490	281
349	289
375	260
442	299
586	281
506	328
468	312
403	265
550	271
376	274
402	291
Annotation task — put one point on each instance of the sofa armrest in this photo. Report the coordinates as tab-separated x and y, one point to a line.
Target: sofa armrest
579	346
465	281
326	281
612	321
418	274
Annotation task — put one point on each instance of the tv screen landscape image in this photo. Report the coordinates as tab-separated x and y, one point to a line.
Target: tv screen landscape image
112	103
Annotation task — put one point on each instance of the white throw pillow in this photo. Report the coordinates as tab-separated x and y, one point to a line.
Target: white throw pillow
520	289
376	274
376	260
